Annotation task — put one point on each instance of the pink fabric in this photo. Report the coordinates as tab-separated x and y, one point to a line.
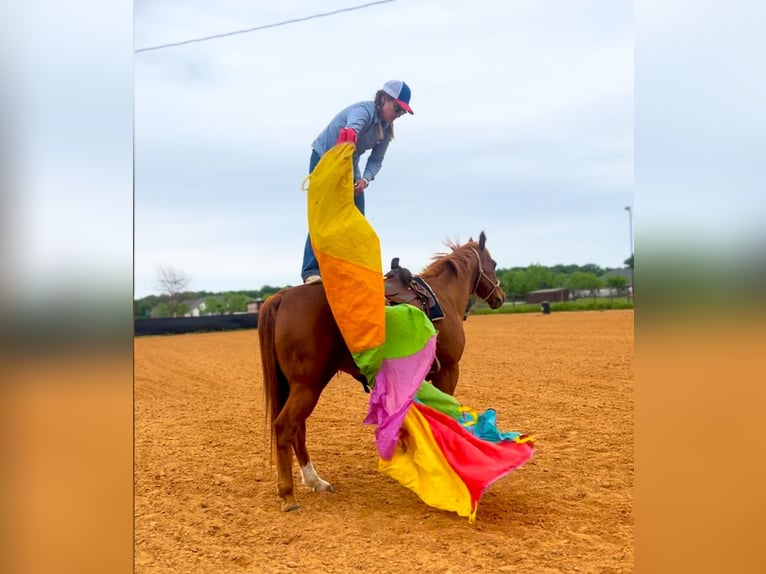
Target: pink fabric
396	383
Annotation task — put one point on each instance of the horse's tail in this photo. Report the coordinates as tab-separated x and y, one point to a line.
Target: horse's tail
275	385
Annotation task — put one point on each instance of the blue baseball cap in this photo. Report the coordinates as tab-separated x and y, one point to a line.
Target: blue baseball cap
400	92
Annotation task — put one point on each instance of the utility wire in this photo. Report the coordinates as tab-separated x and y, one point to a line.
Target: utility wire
255	29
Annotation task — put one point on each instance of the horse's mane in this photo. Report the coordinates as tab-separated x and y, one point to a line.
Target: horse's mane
458	261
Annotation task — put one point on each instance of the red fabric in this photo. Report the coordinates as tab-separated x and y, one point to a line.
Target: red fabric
347	135
478	462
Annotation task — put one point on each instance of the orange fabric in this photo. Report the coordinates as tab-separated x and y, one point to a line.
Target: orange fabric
354	303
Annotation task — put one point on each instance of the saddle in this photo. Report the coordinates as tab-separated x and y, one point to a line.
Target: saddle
401	286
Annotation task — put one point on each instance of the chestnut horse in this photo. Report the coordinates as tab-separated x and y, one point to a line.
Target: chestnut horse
302	349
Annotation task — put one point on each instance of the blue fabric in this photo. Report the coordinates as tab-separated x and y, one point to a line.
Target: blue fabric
310	265
486	428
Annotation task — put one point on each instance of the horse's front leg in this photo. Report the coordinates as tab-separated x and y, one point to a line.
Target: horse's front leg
309	476
445	379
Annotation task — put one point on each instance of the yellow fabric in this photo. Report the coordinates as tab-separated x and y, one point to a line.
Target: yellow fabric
419	464
348	251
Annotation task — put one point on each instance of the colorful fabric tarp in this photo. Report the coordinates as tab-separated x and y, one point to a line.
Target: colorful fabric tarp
446	453
448	467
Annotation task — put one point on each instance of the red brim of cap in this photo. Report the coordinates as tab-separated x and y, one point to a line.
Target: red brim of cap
405	107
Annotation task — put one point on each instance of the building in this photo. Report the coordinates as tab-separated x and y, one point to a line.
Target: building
556	295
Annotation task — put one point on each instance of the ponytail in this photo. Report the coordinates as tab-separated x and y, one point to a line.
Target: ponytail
380	99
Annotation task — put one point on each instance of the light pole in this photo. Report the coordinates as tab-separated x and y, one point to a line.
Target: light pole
632	257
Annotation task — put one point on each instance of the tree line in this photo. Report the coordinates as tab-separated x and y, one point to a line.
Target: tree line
589	278
175	299
178	305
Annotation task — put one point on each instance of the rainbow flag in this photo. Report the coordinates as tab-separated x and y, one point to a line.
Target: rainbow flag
446	453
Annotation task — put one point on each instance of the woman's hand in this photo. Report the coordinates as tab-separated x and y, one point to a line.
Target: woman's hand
360	185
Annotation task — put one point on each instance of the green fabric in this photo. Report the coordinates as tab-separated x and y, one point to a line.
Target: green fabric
436	399
407	332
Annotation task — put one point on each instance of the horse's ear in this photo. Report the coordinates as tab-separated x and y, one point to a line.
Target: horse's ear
482	241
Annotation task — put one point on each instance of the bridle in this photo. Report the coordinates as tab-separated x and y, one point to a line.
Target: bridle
481	276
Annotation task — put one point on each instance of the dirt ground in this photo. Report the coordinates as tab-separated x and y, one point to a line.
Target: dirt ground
205	491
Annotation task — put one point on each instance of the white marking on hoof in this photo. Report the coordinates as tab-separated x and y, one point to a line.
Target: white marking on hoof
310	478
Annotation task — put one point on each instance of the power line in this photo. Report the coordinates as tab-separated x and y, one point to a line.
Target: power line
255	29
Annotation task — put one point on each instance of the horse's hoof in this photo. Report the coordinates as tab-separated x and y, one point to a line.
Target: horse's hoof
323	486
290	507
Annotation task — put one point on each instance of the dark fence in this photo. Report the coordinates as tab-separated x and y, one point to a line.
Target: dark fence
176	325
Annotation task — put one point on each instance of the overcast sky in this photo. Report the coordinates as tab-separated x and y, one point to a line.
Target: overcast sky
523	128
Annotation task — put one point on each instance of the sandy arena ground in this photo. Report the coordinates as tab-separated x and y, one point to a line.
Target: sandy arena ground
205	491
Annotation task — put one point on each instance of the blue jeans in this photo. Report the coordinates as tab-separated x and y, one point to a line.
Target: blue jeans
310	265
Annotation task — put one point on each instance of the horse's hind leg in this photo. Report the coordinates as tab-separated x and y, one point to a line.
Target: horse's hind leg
290	431
283	432
309	476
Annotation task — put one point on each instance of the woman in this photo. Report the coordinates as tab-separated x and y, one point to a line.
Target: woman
369	125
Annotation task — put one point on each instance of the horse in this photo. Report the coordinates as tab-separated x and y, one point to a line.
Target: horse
302	349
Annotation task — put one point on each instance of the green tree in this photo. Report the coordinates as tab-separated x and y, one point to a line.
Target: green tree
213	306
141	309
617	283
235	302
162	310
539	277
581	281
560	279
564	269
592	268
514	283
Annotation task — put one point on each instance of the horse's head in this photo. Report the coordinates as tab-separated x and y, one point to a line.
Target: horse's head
487	285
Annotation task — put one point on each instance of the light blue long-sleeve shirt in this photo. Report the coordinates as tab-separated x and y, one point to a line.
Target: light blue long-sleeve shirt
363	118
